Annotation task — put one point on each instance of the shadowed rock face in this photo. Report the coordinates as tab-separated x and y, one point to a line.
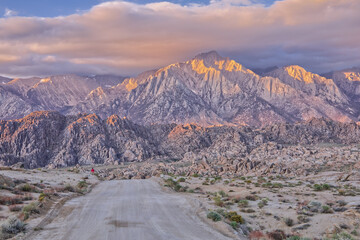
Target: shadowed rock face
207	90
19	97
52	139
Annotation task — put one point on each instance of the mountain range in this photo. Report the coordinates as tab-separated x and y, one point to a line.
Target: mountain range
206	90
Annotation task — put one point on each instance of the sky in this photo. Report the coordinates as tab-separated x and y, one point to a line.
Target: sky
47	37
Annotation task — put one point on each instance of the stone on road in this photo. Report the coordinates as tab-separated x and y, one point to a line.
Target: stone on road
131	210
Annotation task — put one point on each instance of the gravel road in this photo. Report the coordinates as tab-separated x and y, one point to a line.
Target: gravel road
131	210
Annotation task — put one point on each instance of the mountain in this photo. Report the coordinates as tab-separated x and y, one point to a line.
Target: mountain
207	89
212	90
55	140
349	81
4	80
21	96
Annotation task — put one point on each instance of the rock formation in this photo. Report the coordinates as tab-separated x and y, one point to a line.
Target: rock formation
55	140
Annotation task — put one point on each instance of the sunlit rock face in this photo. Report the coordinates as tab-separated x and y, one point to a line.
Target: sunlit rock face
211	90
54	140
207	90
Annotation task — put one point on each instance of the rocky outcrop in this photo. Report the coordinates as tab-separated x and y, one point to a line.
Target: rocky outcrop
55	140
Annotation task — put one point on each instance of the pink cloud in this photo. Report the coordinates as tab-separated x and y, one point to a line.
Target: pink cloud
127	38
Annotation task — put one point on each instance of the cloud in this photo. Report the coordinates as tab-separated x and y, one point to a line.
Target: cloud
127	38
10	13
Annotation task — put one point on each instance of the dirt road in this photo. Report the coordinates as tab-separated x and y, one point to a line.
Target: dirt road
131	210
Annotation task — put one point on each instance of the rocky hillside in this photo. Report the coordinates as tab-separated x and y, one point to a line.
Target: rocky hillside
55	140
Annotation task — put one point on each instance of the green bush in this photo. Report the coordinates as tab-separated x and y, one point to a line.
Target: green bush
321	187
243	203
297	238
218	201
181	180
234	225
326	209
174	185
342	236
30	209
26	188
222	193
82	184
214	216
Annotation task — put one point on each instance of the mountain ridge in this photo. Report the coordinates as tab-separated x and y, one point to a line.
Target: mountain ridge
207	89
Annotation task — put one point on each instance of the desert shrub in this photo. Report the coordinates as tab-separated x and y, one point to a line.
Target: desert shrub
82	184
243	203
196	175
42	196
276	235
277	185
27	197
289	222
26	188
69	188
264	201
13	226
303	219
29	209
248	210
251	197
205	182
342	203
226	182
7	200
234	225
297	238
181	180
222	193
15	208
321	187
326	209
342	236
174	185
218	178
222	212
237	218
218	201
272	185
214	216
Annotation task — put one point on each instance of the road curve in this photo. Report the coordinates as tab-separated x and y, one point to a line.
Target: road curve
130	210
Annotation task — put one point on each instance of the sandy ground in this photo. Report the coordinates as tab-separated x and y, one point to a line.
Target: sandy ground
50	179
128	209
285	202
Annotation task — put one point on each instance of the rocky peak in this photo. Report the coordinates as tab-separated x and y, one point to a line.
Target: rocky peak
211	56
298	73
